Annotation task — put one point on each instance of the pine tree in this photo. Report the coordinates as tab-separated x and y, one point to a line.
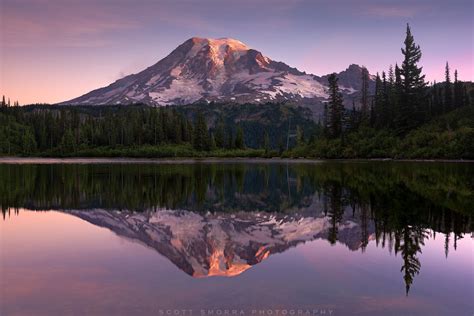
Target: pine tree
281	145
441	100
385	101
353	123
436	104
335	107
412	103
200	139
372	113
458	91
299	136
467	98
28	142
364	101
325	120
178	135
378	103
448	94
397	93
4	104
391	96
68	142
239	138
266	142
219	134
212	142
189	130
185	130
230	139
391	76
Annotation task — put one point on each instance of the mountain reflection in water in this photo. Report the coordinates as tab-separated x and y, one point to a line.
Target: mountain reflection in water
221	219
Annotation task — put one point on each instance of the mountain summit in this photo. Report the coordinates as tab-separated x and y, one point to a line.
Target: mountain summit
223	70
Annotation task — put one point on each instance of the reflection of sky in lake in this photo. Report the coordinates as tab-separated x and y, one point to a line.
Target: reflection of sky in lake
54	263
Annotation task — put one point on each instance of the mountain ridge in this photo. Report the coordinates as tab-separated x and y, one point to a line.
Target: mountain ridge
220	70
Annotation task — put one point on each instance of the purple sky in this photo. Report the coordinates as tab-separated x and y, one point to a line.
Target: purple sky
54	50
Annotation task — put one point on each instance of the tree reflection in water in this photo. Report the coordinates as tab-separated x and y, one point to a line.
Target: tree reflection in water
398	205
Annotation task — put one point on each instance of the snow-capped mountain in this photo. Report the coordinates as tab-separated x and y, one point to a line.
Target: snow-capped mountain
223	244
225	70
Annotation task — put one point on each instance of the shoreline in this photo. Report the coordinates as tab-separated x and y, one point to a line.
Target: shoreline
205	160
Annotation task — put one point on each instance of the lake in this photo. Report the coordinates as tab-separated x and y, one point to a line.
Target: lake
236	238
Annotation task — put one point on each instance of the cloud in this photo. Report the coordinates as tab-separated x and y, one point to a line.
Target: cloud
74	23
59	24
392	11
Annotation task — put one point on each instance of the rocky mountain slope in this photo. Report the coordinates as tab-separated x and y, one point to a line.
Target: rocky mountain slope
221	70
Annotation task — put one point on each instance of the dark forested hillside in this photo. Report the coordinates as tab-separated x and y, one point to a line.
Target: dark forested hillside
140	130
450	136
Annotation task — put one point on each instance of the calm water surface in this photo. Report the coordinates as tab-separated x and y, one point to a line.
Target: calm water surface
363	238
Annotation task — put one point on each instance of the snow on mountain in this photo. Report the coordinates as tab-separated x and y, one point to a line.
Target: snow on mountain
225	69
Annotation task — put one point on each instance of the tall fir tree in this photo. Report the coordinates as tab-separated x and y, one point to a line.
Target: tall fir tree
391	76
68	143
448	94
385	101
200	139
466	97
266	142
391	98
212	142
300	139
397	94
372	113
326	120
239	138
230	142
412	101
335	107
219	134
353	122
458	91
441	99
364	101
436	104
378	103
28	142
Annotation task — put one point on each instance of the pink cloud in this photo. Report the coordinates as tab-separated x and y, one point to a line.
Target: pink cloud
59	24
392	11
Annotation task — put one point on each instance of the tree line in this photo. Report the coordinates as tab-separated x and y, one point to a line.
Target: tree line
402	100
66	130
